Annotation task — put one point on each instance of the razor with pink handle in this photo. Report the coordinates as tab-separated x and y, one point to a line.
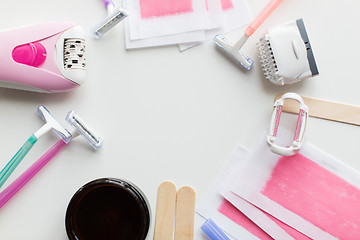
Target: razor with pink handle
80	128
234	50
47	57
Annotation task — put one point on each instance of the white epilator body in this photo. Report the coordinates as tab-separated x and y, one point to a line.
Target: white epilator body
286	55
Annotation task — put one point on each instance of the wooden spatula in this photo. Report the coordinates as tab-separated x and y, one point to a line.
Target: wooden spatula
185	210
324	109
165	211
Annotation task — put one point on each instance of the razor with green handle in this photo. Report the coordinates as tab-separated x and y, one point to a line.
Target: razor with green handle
51	123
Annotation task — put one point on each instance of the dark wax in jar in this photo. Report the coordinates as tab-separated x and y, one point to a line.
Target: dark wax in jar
108	209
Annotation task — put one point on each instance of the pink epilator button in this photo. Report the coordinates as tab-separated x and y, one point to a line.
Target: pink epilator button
32	54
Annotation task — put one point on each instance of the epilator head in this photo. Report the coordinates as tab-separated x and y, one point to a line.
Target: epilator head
48	57
286	55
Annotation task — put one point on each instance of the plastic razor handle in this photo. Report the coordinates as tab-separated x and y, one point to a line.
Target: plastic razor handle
213	231
18	157
165	211
328	110
14	187
185	210
269	8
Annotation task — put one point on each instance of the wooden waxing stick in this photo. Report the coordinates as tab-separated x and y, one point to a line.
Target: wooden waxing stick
323	109
165	211
185	210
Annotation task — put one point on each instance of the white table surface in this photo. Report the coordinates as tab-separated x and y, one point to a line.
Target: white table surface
166	115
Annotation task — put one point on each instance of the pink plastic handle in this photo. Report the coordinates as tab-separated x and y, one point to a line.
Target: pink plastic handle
14	187
269	8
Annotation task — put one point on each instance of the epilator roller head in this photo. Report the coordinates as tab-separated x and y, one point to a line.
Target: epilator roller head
47	57
286	55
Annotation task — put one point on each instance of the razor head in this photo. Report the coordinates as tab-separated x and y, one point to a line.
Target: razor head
114	18
233	52
49	119
80	126
286	55
300	126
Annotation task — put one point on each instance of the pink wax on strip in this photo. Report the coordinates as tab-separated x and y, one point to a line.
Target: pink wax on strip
235	215
317	195
160	8
230	211
226	4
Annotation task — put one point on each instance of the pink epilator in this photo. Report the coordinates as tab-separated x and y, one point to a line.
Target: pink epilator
47	57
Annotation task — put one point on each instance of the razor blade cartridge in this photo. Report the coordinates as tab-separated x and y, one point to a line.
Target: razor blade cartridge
114	18
299	130
80	126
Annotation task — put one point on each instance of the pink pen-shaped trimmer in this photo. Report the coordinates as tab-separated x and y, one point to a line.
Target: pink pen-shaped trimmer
47	57
234	50
80	129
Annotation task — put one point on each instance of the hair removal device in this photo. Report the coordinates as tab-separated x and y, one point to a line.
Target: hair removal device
47	57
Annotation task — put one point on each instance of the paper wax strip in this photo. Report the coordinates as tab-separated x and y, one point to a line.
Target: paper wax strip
232	220
185	210
208	206
158	18
235	14
327	192
324	109
160	8
165	211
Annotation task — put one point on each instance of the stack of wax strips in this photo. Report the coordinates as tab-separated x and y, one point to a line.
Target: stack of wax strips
183	22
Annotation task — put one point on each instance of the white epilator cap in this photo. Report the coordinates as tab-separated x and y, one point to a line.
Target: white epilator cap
286	55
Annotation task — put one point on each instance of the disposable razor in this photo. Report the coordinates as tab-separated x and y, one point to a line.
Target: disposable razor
234	50
47	57
51	123
115	16
80	128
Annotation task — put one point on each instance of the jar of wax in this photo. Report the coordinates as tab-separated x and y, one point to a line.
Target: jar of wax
108	208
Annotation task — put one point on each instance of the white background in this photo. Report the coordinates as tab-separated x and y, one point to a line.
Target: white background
166	115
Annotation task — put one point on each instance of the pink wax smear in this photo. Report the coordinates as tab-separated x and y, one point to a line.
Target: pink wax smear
160	8
235	215
317	195
230	211
226	4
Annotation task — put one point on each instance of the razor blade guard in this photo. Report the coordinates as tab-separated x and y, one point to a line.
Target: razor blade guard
286	55
233	51
53	124
300	126
115	17
80	126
